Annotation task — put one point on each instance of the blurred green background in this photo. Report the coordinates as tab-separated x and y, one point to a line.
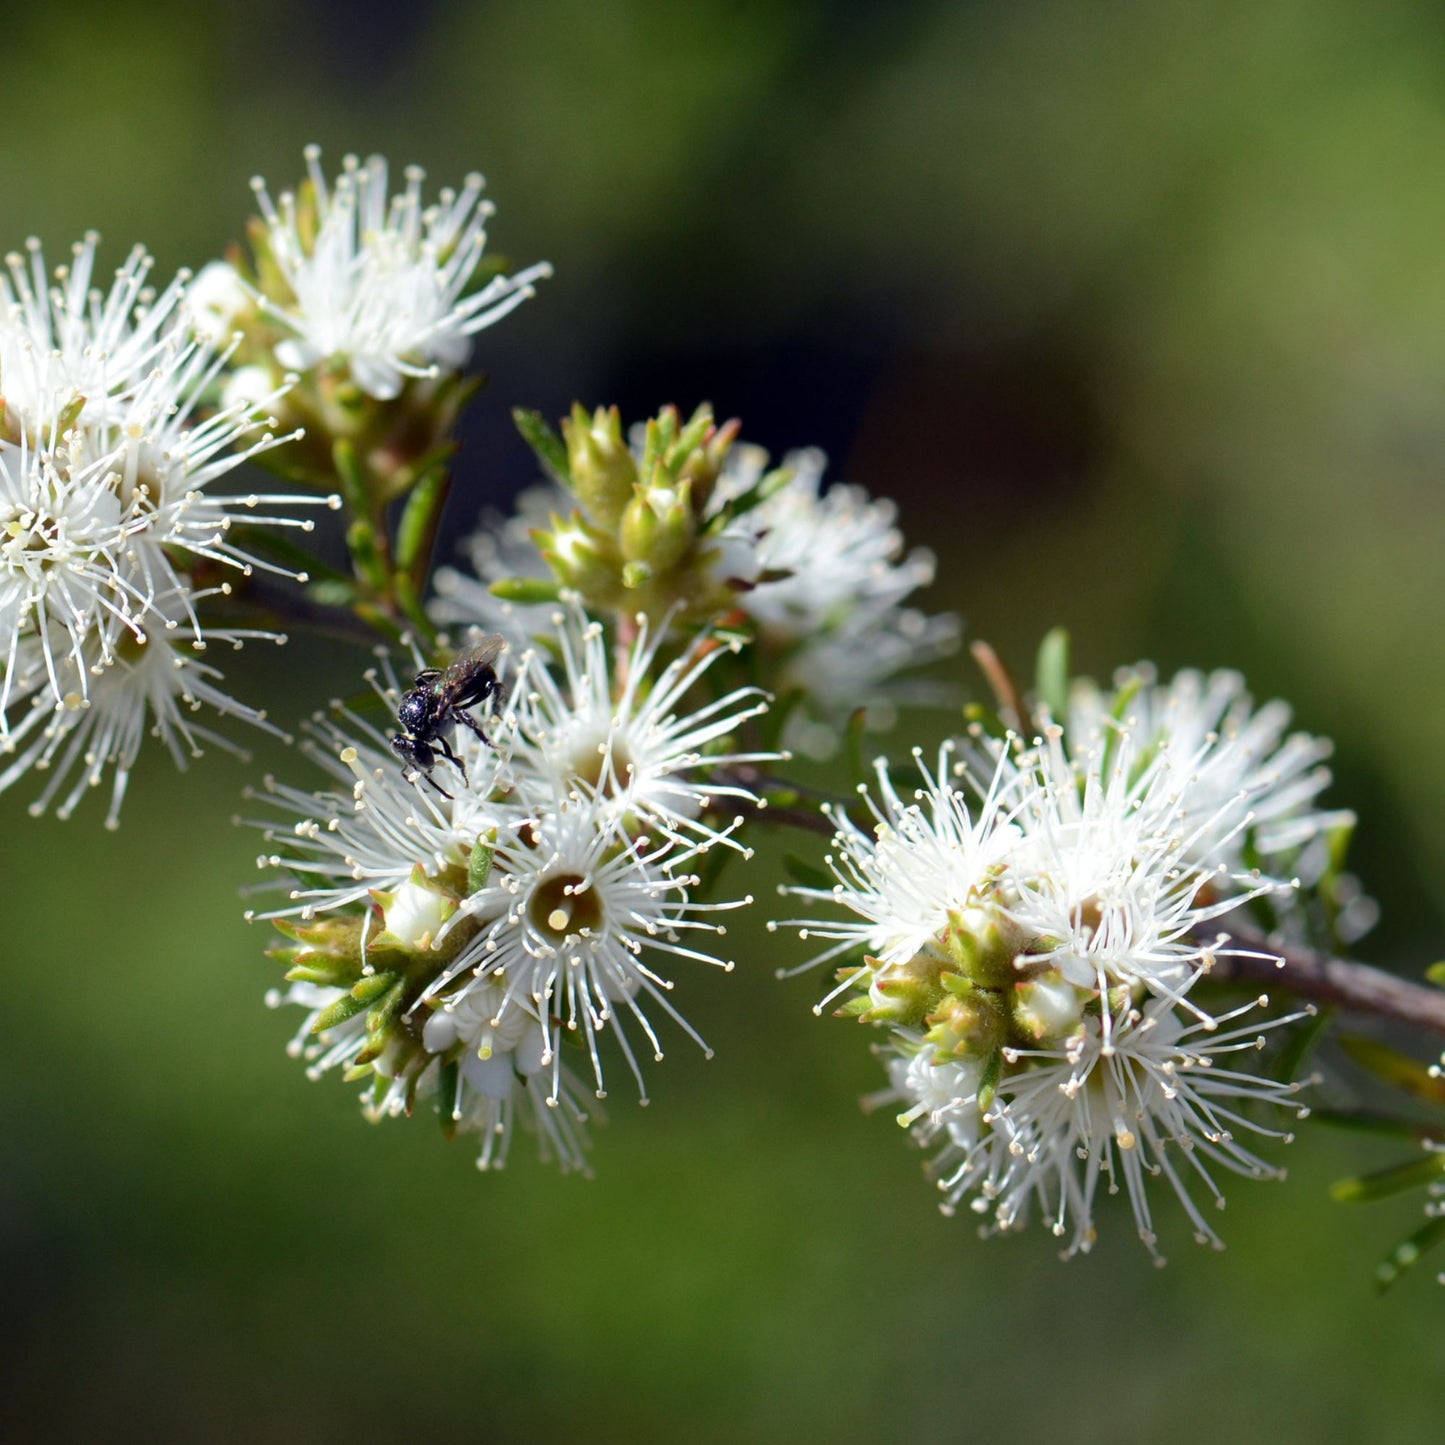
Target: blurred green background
1139	311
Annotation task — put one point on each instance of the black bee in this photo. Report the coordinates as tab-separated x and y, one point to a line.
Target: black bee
433	706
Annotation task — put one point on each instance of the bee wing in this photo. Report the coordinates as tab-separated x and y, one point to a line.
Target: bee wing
462	671
482	653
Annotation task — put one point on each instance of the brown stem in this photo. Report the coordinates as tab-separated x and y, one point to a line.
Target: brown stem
1358	987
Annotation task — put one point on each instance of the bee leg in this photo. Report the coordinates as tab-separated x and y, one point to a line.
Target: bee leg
451	757
469	721
427	777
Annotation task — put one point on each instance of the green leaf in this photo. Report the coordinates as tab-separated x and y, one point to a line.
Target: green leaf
1051	674
1408	1252
372	986
416	531
446	1097
479	864
352	477
988	1083
527	591
1397	1179
1436	973
365	555
343	1009
383	1012
547	445
1396	1069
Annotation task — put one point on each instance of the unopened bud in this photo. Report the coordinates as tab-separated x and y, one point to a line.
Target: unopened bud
603	472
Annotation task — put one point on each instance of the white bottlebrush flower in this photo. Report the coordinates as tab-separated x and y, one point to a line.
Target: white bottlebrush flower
569	923
618	723
1233	751
66	544
1108	882
832	579
525	908
109	462
1149	1096
381	283
150	683
63	342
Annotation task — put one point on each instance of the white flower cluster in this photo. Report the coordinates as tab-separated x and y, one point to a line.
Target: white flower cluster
534	895
378	284
1031	929
111	446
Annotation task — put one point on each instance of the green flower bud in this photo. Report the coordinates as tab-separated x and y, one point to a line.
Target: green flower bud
603	473
971	1024
658	525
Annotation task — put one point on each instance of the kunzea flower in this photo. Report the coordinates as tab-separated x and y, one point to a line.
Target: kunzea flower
382	867
617	722
1228	751
152	682
66	345
499	920
829	579
380	284
574	925
1150	1096
110	456
1108	886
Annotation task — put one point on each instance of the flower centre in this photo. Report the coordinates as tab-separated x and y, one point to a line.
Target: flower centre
564	905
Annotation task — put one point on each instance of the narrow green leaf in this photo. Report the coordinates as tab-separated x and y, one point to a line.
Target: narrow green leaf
373	986
384	1011
988	1084
545	442
1397	1179
417	529
352	477
479	864
344	1008
1409	1251
1051	674
1300	1043
1395	1068
365	555
335	977
446	1097
526	590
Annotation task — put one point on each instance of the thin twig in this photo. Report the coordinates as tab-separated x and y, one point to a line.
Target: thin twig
1358	987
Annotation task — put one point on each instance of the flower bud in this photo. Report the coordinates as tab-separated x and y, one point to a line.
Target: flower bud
967	1024
658	525
602	471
